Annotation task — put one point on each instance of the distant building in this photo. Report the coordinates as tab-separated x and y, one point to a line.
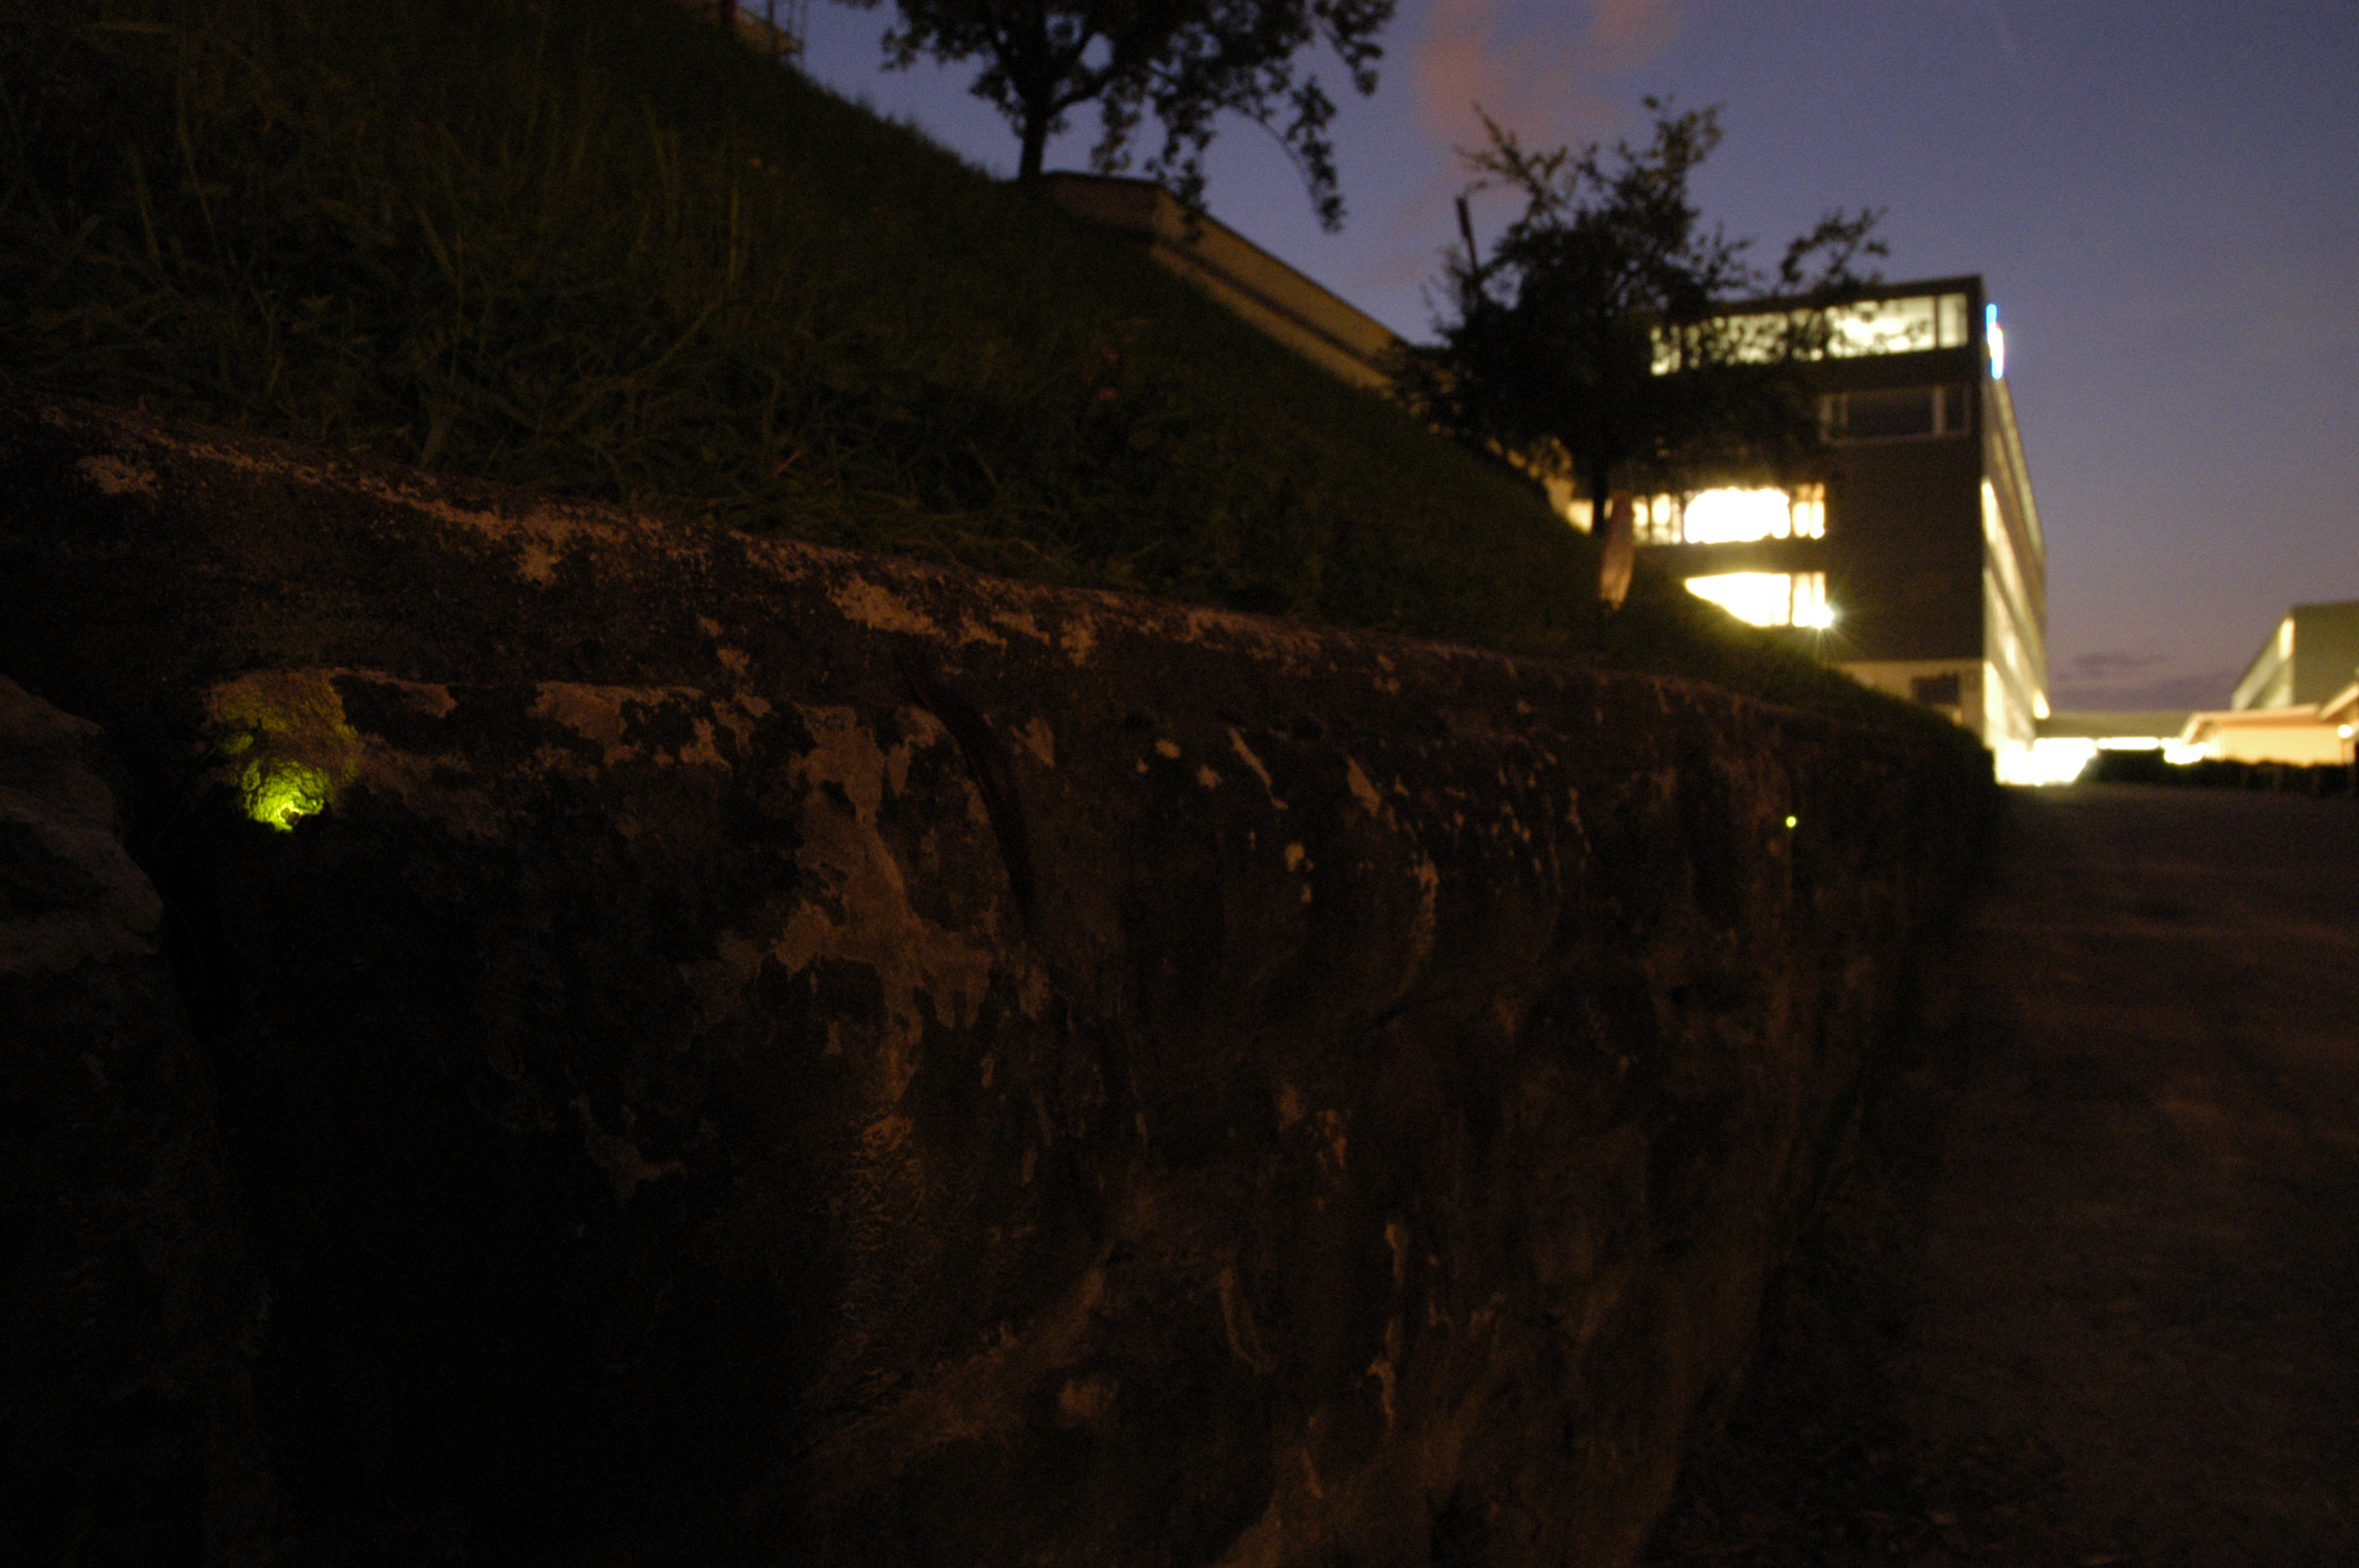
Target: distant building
1919	563
2069	742
2298	701
2308	659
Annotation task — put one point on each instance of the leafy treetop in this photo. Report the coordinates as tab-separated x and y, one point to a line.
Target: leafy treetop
1597	343
1183	61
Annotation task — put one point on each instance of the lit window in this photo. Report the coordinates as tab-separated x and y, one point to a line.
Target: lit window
1952	329
1810	512
1658	519
1732	516
1768	598
1882	327
1811	608
1862	328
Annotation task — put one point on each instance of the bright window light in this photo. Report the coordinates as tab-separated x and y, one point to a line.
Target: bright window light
1882	327
1861	327
1734	516
1811	512
1765	598
1768	598
1811	607
1952	329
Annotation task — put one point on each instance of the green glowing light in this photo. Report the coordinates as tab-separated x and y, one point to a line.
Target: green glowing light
281	793
1790	822
293	752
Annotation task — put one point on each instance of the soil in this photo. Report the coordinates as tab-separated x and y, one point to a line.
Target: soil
2090	1294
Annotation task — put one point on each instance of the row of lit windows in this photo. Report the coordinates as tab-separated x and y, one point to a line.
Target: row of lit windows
1769	599
1855	330
1728	516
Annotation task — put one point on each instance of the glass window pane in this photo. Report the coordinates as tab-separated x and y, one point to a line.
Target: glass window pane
1881	327
1862	327
1811	512
1886	412
1953	333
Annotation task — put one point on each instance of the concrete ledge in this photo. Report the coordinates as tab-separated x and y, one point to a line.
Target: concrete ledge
1322	327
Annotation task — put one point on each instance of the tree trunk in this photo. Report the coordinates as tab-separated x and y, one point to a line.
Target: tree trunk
1613	527
1036	145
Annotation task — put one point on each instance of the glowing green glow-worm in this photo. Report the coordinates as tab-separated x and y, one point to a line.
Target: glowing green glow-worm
294	749
282	791
1790	822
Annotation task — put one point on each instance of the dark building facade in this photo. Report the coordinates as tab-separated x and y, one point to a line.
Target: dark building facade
1918	565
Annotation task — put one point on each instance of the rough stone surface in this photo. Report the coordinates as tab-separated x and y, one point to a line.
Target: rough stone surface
128	1317
734	1051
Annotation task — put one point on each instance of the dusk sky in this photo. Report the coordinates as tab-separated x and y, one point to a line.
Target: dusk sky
2162	198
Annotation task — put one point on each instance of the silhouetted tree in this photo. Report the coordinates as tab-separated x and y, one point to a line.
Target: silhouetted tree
1182	61
1595	343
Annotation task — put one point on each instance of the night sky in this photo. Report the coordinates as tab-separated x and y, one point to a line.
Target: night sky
2163	199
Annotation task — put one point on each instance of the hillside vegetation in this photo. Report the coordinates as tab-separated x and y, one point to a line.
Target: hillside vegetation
598	247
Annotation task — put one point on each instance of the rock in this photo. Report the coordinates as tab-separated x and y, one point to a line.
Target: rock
128	1315
736	1052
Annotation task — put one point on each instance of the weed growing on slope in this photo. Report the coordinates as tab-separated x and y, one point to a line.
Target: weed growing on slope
597	247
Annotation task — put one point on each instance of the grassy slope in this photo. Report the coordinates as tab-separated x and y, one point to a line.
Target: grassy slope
595	246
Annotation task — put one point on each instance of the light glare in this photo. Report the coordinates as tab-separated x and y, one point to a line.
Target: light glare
281	793
1732	517
2051	760
1764	599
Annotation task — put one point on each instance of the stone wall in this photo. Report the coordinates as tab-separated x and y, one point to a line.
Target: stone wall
722	1051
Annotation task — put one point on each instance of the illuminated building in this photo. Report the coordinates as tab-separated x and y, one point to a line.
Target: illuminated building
1916	565
2298	701
2307	659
